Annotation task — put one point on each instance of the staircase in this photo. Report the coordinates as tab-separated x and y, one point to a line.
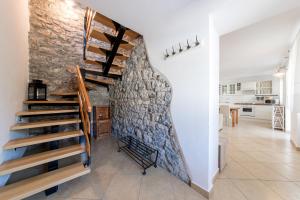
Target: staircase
72	108
105	51
107	45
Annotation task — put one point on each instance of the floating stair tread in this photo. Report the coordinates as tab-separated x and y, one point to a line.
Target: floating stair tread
22	142
51	102
103	51
111	71
90	86
122	58
101	80
44	123
45	112
64	94
39	159
127	47
100	63
104	20
99	36
96	50
31	186
131	34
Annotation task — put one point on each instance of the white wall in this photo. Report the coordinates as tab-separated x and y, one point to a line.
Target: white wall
214	66
192	74
293	93
14	27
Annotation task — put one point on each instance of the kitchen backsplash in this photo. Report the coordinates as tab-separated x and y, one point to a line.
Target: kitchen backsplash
237	98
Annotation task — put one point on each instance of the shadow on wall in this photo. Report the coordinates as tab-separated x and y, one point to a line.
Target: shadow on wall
140	106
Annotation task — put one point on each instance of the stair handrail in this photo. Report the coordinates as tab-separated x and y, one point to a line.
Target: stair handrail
85	111
88	18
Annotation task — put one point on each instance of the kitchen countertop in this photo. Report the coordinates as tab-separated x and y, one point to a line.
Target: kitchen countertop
257	104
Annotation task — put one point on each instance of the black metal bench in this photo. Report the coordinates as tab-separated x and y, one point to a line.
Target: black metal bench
141	153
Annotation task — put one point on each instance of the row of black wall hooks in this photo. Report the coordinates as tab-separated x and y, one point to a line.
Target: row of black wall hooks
181	48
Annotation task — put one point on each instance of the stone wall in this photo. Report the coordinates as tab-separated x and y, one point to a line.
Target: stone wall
56	45
141	108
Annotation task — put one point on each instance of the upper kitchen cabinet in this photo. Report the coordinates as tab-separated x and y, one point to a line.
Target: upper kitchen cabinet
248	86
264	87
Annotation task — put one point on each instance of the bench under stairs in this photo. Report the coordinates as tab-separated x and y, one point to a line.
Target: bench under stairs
111	45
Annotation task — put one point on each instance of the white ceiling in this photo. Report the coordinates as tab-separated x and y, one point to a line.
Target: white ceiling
139	15
252	50
259	48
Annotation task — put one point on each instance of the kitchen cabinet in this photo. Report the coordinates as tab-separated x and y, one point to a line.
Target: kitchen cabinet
264	87
263	112
231	88
248	86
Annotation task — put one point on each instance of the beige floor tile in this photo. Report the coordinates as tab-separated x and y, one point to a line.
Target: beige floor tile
123	187
262	172
286	190
235	171
240	156
156	187
290	172
226	190
255	190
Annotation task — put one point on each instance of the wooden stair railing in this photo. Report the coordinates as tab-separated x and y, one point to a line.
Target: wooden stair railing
88	18
85	109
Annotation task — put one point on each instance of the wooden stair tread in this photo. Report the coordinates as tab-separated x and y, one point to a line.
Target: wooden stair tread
39	159
104	20
131	34
101	80
111	71
96	34
127	47
100	63
22	142
90	86
64	94
96	50
45	112
102	51
51	102
36	184
44	123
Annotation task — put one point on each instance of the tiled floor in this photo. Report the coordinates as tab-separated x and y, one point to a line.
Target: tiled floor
262	165
115	176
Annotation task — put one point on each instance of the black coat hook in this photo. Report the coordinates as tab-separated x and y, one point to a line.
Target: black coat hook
197	42
173	52
188	45
167	54
180	48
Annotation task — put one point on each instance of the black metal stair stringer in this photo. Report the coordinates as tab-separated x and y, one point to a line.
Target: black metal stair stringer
112	55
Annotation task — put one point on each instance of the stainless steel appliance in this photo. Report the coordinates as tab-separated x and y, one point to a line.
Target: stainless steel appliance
247	111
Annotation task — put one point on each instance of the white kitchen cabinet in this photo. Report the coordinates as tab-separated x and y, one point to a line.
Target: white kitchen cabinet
263	112
248	86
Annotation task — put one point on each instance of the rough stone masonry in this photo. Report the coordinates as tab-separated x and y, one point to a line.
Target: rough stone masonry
141	108
56	45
